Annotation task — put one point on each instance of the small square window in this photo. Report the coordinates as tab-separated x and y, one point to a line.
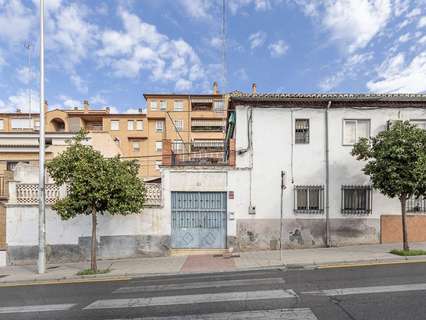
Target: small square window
357	199
353	130
130	125
178	125
218	106
178	105
136	146
163	105
154	105
115	125
309	199
139	125
159	126
158	146
301	131
177	146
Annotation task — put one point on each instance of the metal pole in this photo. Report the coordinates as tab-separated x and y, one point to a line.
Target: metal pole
41	265
29	46
281	216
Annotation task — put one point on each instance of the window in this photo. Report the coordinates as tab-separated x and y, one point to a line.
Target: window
356	199
11	165
139	125
21	123
158	146
157	164
309	199
159	126
218	106
301	131
136	146
178	125
178	105
177	146
416	204
154	105
353	130
163	105
1	124
115	125
130	125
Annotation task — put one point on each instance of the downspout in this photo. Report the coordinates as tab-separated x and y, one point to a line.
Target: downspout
327	180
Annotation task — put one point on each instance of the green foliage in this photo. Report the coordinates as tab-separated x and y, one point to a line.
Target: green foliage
94	182
89	272
406	253
396	160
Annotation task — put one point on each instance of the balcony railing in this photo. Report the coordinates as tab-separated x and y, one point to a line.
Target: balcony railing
94	127
201	153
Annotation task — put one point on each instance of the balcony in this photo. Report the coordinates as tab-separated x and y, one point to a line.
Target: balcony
207	125
94	126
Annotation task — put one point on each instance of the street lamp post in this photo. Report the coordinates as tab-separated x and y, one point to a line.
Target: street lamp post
41	264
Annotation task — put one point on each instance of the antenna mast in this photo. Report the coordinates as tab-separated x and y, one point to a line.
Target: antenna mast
28	45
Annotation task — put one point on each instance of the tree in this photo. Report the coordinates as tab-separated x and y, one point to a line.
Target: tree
95	185
396	164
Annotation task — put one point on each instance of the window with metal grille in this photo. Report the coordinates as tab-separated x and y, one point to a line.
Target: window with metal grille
302	131
309	199
178	125
357	199
416	204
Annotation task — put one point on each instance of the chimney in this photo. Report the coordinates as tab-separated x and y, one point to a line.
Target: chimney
107	109
46	106
253	88
140	110
86	106
215	88
18	110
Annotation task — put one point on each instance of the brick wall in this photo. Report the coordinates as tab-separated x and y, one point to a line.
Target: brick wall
391	228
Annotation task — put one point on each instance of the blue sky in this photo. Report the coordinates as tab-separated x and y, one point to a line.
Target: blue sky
111	52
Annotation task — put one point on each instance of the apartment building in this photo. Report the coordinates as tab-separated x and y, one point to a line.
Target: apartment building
193	123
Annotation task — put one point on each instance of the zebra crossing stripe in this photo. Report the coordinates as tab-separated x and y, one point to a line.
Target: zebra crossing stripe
191	299
370	290
37	308
282	314
201	285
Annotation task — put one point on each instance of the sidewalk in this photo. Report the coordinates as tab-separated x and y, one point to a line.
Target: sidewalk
320	257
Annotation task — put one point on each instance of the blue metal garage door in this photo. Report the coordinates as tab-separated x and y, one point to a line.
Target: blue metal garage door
199	220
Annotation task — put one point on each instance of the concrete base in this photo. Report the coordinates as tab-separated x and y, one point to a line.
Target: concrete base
109	247
264	234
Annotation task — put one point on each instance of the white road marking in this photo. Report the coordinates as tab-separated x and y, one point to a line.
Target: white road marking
37	308
368	290
191	299
283	314
200	285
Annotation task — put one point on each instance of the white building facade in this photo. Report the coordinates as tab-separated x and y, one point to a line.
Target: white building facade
310	138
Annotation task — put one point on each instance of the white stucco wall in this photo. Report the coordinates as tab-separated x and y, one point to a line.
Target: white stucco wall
272	152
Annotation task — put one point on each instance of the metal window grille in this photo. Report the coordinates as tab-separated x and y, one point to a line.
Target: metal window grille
416	204
357	199
302	131
309	199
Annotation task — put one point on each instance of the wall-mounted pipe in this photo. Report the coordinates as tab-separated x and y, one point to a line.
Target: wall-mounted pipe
327	179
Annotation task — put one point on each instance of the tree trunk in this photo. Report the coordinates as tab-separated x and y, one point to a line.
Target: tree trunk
404	224
93	264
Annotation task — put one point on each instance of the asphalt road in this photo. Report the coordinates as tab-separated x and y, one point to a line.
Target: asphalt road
379	292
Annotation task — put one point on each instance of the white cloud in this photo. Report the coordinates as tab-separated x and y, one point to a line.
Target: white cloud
15	21
241	74
351	23
422	22
216	42
141	47
397	76
350	68
405	37
197	8
25	75
278	48
259	5
69	103
257	39
21	100
79	83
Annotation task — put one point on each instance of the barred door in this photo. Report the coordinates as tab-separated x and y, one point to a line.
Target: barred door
199	220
